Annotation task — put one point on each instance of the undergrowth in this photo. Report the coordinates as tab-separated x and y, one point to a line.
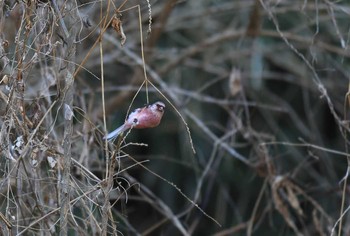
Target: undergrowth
254	139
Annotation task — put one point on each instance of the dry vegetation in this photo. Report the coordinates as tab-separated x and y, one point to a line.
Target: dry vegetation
254	140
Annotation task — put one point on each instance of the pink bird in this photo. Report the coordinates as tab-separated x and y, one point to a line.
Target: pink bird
145	117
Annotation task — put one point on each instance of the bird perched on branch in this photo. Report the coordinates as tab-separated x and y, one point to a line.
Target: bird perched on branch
145	117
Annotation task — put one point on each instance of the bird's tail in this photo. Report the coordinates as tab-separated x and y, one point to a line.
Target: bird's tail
115	133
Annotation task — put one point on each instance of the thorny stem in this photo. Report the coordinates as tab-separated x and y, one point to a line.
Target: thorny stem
110	161
146	81
107	187
64	178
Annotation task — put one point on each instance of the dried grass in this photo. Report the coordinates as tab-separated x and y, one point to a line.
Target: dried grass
254	138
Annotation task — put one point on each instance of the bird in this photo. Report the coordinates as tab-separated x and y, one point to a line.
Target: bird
141	118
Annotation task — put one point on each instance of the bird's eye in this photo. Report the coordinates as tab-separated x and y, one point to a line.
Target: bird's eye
135	121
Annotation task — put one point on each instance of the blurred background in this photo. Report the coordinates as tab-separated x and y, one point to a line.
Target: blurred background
254	136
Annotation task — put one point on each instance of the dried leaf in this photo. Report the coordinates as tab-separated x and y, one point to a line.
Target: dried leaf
68	112
52	161
235	84
118	27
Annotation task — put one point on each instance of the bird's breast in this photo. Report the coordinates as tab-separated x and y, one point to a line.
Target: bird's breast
148	120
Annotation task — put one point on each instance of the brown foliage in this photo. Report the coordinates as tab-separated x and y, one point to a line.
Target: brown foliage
254	138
